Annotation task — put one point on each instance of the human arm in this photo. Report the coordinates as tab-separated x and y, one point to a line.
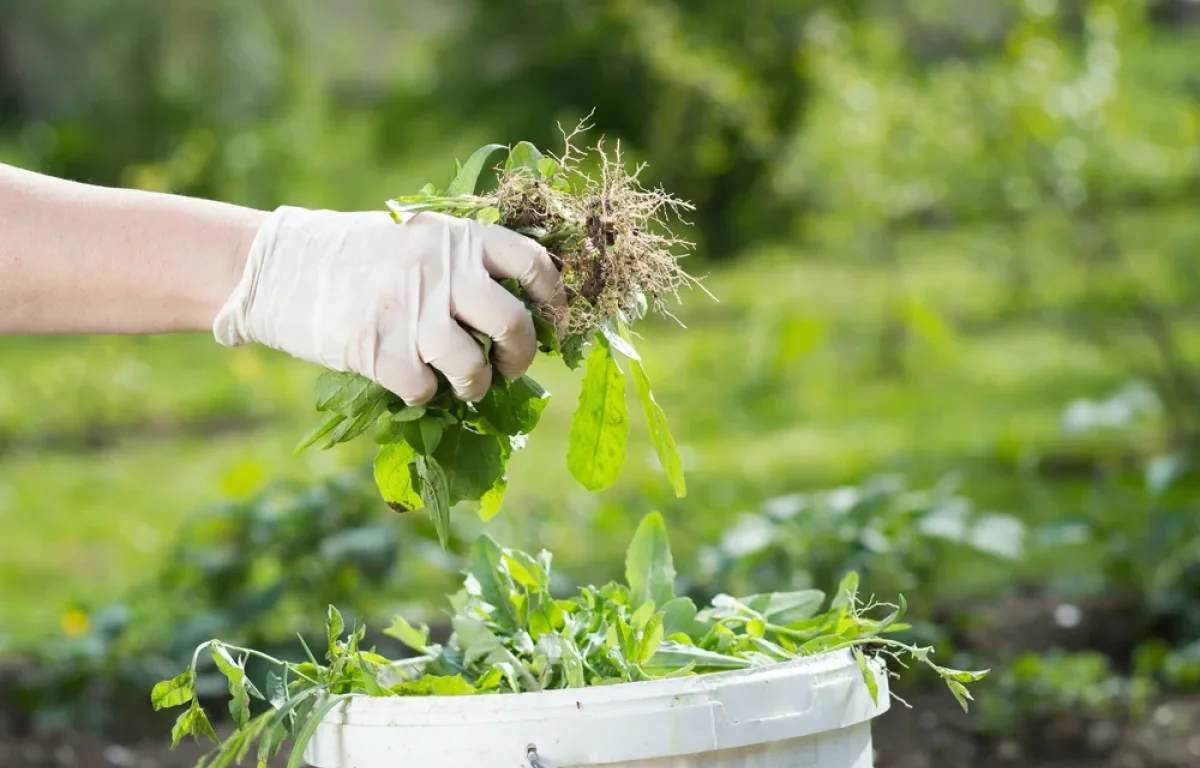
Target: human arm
351	291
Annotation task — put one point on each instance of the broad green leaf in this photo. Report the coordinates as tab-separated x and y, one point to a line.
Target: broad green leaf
467	177
416	639
649	569
174	692
660	432
868	675
345	392
600	426
435	685
396	477
679	616
435	493
472	462
490	503
524	155
425	434
514	407
487	216
409	413
786	608
484	565
548	166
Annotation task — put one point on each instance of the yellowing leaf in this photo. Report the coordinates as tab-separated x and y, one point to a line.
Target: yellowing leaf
600	426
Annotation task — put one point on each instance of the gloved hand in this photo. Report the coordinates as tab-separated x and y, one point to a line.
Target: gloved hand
360	292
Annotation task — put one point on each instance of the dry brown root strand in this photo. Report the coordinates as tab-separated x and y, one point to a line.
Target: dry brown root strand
610	236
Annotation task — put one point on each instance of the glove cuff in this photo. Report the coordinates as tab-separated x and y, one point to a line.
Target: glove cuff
231	327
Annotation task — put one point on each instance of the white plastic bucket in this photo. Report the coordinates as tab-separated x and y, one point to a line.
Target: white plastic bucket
814	711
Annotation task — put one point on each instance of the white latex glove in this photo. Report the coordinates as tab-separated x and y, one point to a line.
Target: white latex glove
360	292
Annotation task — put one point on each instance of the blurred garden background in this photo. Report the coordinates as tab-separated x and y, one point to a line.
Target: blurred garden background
956	248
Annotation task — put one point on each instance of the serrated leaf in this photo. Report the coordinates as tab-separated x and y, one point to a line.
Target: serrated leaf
435	493
600	425
649	568
572	350
276	691
660	432
395	476
467	177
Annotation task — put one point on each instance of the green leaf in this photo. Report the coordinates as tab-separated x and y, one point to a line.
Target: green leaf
514	407
962	675
435	685
652	637
547	167
335	625
649	569
396	477
572	350
600	426
416	639
847	590
676	655
868	675
487	216
174	692
345	392
484	565
276	690
786	608
192	722
435	493
296	760
960	693
327	424
660	432
490	502
524	155
679	616
468	176
473	463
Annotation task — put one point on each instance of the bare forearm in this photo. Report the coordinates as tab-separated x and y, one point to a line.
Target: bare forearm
76	258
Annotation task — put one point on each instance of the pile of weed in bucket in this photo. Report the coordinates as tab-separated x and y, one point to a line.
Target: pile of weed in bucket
512	636
612	241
